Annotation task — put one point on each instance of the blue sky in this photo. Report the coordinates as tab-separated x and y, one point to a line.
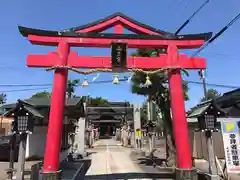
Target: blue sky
222	56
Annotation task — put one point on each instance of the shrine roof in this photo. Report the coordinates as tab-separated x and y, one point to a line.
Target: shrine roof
78	32
203	107
27	107
229	98
43	102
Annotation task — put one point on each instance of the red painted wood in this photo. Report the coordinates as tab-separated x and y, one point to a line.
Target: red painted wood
118	20
100	27
180	127
135	28
106	42
48	60
118	28
105	62
54	135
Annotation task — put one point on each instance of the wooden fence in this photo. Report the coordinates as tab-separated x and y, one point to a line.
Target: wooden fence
199	145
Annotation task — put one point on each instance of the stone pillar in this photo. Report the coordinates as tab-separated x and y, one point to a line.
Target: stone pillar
137	122
80	137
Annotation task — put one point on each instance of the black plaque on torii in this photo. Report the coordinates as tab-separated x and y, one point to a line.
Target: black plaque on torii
119	55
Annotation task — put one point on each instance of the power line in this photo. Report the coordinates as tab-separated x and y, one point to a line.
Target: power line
40	85
222	56
23	85
190	18
30	85
217	35
215	85
11	68
107	81
122	80
19	90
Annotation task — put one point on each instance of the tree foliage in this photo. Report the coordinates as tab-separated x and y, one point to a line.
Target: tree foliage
159	80
70	90
3	98
95	101
158	92
144	114
211	94
71	87
42	94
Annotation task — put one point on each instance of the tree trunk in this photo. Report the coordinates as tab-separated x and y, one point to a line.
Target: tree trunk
170	143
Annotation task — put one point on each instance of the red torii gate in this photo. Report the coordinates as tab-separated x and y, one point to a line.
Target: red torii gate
90	36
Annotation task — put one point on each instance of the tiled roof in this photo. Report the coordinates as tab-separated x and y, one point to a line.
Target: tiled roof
228	103
198	111
229	98
8	106
30	109
36	102
33	111
47	101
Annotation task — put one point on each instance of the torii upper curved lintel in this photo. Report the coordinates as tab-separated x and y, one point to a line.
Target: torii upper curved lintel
92	30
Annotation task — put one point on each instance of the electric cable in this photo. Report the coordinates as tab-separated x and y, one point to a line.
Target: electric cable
217	35
23	85
29	89
191	17
215	85
124	80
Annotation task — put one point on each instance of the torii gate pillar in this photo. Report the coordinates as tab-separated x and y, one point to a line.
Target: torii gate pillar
54	136
180	127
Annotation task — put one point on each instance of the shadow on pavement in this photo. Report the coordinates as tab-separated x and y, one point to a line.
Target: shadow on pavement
153	176
149	162
105	137
91	152
104	145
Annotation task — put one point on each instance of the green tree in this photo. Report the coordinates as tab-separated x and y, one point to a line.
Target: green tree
98	101
71	87
143	113
158	92
211	94
42	94
3	98
95	101
70	90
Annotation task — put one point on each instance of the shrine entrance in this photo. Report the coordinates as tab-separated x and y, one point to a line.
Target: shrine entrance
90	35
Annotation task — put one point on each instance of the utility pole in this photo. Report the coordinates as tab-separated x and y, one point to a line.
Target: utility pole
208	134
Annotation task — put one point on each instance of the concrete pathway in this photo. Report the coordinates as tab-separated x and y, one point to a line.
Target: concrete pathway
109	157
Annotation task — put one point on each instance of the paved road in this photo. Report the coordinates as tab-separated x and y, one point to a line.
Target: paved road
109	157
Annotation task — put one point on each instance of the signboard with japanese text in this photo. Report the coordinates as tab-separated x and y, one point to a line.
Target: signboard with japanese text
119	55
231	139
